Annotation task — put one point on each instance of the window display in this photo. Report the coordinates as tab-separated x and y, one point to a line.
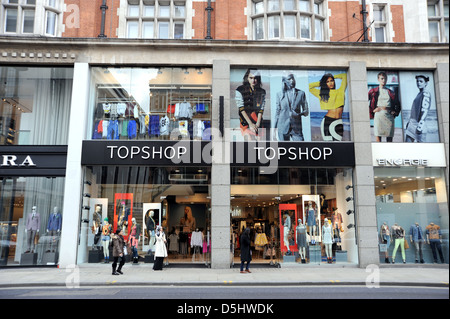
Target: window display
412	215
30	220
30	96
151	103
288	224
136	200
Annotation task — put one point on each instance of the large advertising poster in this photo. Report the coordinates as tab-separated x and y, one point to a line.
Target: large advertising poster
289	105
402	106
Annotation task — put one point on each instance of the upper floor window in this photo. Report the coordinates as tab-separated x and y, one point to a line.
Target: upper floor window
161	19
380	23
438	20
22	17
288	19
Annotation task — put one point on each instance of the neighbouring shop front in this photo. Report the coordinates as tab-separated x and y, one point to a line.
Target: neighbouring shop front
33	162
409	167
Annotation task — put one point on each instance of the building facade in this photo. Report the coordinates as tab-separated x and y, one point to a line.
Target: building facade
209	117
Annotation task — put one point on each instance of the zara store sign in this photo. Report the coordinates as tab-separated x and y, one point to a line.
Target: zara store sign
12	160
33	160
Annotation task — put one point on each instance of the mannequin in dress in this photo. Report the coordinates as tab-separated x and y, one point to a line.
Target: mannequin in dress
311	221
327	240
32	227
301	240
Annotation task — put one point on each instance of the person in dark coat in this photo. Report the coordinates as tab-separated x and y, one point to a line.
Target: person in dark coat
118	243
246	254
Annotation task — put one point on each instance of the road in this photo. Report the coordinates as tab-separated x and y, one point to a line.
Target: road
228	293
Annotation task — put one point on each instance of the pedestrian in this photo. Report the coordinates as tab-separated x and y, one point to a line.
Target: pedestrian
246	254
118	244
160	248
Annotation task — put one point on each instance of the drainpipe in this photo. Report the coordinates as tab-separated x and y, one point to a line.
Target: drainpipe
103	7
209	9
364	13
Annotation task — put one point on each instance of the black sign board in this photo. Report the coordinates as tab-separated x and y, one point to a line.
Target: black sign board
33	160
199	153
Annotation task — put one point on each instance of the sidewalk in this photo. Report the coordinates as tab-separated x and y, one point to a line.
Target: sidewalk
142	274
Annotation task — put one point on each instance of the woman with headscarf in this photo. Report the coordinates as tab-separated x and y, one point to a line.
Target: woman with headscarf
246	254
160	248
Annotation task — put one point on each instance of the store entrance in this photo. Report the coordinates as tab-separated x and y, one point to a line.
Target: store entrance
138	199
295	216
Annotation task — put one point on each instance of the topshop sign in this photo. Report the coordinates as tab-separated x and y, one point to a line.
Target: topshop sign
194	153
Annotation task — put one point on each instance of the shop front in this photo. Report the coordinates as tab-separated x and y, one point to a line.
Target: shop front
300	209
33	162
411	203
145	166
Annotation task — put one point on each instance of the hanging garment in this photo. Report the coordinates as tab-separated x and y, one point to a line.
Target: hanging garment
197	239
164	124
132	129
261	239
153	126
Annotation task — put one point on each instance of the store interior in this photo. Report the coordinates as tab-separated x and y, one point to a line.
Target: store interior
262	208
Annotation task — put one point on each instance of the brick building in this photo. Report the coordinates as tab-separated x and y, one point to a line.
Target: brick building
210	117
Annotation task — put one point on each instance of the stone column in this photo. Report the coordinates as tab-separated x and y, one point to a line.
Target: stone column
441	83
220	171
363	175
74	178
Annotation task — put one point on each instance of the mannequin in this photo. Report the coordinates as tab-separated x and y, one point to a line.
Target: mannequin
97	225
311	222
434	239
150	224
336	224
134	239
54	227
287	228
417	237
301	240
327	239
189	220
385	238
106	237
123	219
398	234
32	228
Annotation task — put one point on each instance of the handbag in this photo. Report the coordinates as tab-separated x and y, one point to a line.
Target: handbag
406	244
125	252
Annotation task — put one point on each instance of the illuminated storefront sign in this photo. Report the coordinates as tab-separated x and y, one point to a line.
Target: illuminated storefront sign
194	153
